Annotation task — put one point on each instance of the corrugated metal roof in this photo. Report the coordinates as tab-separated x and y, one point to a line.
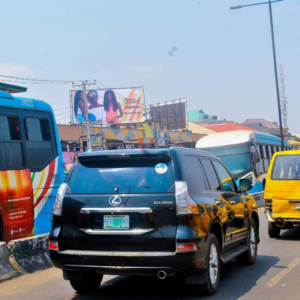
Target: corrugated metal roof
263	122
228	126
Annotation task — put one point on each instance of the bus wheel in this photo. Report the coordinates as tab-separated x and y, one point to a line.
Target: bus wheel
273	230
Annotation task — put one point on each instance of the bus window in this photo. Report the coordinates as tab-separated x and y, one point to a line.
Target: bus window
268	154
273	150
260	163
266	159
39	144
11	153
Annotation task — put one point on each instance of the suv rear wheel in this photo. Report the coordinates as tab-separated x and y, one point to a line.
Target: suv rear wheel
90	282
213	264
249	257
273	230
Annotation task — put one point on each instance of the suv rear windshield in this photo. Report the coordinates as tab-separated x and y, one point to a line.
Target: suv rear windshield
131	175
286	167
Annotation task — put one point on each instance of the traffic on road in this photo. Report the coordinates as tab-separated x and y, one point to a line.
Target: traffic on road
192	193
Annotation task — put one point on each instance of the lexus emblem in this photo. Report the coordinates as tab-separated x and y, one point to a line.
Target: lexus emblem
115	201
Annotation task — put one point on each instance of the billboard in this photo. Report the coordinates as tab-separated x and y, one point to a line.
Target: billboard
109	106
170	115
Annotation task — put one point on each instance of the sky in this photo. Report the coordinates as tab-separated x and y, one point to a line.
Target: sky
222	62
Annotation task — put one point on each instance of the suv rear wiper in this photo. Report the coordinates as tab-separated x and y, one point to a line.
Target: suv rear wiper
117	188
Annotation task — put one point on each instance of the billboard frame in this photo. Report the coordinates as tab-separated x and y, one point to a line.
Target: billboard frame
103	89
171	102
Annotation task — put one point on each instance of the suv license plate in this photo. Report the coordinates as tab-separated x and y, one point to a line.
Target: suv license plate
116	222
297	205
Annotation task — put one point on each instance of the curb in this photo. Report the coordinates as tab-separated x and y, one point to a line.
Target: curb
6	269
30	254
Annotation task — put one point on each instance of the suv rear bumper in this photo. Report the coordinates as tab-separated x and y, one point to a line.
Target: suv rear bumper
128	264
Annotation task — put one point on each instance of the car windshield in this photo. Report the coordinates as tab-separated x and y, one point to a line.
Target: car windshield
286	167
122	176
236	159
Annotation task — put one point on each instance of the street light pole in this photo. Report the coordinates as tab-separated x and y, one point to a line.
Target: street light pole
274	60
276	74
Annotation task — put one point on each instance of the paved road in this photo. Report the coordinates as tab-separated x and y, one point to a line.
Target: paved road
275	276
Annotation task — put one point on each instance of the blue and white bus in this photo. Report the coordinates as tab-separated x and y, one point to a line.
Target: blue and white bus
31	166
247	154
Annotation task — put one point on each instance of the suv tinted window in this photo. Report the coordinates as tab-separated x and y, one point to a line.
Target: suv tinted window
211	175
226	180
131	175
194	175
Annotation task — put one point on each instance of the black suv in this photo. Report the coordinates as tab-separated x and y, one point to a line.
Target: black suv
152	212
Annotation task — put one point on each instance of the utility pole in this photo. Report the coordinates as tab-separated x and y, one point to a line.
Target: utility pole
153	118
86	110
269	2
155	131
276	75
81	145
283	98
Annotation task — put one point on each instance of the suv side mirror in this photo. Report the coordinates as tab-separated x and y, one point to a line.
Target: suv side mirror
245	185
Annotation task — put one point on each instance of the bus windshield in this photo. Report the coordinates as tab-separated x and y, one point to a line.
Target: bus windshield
237	163
236	159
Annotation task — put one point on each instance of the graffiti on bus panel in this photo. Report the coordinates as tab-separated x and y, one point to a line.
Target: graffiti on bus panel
16	200
110	106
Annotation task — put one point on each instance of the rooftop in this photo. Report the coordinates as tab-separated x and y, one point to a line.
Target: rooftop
11	88
228	126
262	122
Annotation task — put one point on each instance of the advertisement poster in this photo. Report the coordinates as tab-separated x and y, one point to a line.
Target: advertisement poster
148	132
163	137
16	201
110	106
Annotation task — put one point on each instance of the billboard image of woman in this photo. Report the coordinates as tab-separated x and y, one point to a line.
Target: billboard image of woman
79	111
112	107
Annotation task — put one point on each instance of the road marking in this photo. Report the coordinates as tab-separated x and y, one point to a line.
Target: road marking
279	276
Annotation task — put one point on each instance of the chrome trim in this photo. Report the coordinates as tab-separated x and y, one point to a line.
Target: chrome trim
141	210
121	254
115	232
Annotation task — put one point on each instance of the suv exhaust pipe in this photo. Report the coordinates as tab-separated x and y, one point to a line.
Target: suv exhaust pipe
161	275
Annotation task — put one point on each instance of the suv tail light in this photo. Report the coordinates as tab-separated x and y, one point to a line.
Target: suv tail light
53	245
57	207
184	203
186	247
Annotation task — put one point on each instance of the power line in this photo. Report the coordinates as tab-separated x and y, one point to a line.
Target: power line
62	119
62	108
109	88
41	80
67	112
